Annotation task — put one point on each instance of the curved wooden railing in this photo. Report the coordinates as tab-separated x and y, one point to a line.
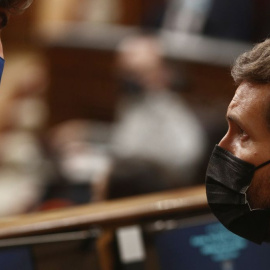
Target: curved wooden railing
113	212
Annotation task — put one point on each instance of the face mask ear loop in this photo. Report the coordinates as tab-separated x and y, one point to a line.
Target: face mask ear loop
262	165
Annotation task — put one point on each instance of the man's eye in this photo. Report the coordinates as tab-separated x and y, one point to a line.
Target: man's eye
244	136
3	20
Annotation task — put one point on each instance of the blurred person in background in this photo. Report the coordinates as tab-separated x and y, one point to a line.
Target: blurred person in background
134	176
23	113
154	122
80	159
21	166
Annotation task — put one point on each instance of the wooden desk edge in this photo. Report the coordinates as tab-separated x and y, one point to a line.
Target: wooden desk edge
101	213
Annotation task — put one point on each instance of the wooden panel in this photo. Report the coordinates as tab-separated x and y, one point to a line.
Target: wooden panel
205	84
82	85
131	12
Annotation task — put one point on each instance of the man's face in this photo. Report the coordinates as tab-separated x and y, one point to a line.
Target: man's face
248	137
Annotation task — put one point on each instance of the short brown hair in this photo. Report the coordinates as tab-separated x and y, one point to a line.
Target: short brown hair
254	65
15	5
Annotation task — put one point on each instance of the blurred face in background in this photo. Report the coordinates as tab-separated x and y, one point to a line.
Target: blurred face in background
4	15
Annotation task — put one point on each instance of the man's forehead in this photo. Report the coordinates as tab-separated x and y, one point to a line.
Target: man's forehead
246	92
251	95
250	100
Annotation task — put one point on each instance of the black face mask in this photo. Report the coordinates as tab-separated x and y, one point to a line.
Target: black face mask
227	180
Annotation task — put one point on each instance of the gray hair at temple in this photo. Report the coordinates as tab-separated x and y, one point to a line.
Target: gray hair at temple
15	5
253	66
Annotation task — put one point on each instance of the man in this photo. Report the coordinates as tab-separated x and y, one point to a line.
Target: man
238	175
152	107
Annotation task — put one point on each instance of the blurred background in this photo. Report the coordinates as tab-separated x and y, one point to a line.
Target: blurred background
108	99
102	99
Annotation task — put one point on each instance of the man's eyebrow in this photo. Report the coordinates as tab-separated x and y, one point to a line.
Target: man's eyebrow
230	117
234	119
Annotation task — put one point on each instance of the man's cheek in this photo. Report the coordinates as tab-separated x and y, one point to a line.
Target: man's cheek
258	194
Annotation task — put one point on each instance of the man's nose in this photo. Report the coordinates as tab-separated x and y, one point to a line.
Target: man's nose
225	143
